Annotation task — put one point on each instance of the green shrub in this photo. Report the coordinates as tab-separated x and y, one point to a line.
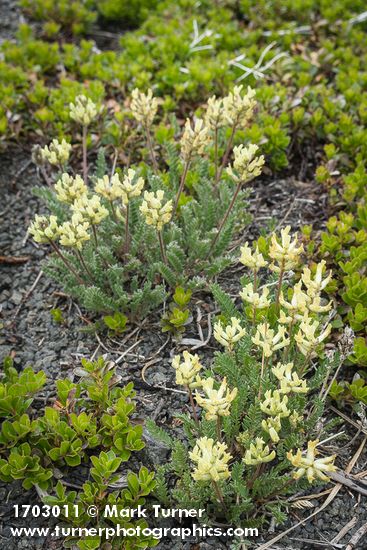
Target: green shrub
74	16
128	12
90	415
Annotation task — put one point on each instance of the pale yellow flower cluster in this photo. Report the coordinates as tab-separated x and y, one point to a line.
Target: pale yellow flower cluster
229	335
238	108
296	307
109	188
44	229
156	212
295	418
275	404
234	110
253	260
269	341
211	459
143	106
300	305
246	164
306	338
90	209
289	379
74	233
309	465
217	402
69	189
132	186
259	301
272	426
214	116
83	111
315	285
194	139
285	254
187	371
258	453
113	188
56	153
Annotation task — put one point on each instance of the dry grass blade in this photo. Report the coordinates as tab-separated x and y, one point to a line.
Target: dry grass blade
329	499
345	530
362	531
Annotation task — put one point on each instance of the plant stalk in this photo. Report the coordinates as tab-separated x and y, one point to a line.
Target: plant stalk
192	403
85	160
216	155
83	263
127	236
95	235
222	223
66	262
161	244
182	184
151	149
218	492
219	428
281	275
226	154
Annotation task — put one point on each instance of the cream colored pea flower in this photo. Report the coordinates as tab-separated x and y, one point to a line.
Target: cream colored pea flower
297	306
143	106
44	229
246	164
83	111
91	209
194	140
211	459
259	301
316	307
272	426
258	453
217	402
285	254
56	153
238	108
309	465
187	370
109	188
275	404
266	339
132	186
295	418
155	212
253	260
69	189
289	379
306	338
230	334
75	232
214	117
315	284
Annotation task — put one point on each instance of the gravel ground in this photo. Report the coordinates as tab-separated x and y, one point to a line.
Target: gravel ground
31	336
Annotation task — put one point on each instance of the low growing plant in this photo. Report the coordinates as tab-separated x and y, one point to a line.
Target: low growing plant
89	423
253	435
178	315
121	236
75	16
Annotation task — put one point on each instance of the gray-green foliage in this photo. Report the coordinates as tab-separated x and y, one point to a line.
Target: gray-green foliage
137	281
255	490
